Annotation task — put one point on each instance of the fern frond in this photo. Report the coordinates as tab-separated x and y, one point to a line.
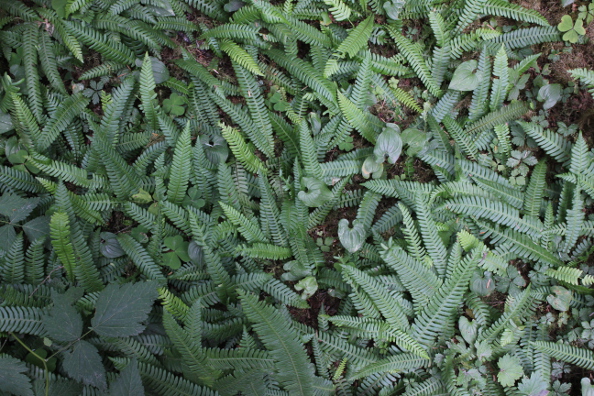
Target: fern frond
586	76
357	38
579	356
513	11
181	166
444	303
392	364
415	58
22	320
553	143
506	114
140	257
295	372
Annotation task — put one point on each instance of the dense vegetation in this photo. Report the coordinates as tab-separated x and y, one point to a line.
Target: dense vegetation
351	197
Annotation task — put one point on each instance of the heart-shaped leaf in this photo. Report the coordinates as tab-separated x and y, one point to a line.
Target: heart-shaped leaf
372	166
465	78
316	194
560	299
468	329
215	148
308	286
110	246
389	144
415	139
565	24
550	95
295	271
393	8
351	238
178	245
482	285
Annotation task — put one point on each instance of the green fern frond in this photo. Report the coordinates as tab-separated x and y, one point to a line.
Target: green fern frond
389	307
357	38
508	113
295	372
392	364
140	257
112	50
181	166
586	76
507	10
579	356
265	251
553	143
430	320
22	320
415	58
242	151
240	56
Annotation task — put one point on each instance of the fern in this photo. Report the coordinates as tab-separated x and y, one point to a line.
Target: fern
295	373
566	353
357	38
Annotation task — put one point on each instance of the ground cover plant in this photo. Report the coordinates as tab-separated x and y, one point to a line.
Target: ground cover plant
300	197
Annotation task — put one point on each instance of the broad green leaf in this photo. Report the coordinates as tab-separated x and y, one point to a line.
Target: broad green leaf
17	208
351	238
316	192
120	310
393	8
533	386
37	228
560	299
415	139
233	5
110	246
142	197
565	24
128	383
12	377
308	286
389	144
84	364
465	77
62	322
7	236
509	370
5	123
550	95
371	166
171	260
468	329
178	245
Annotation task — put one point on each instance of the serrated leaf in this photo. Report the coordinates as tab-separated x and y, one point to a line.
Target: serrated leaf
509	370
128	383
37	228
62	322
120	310
16	208
84	364
12	379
